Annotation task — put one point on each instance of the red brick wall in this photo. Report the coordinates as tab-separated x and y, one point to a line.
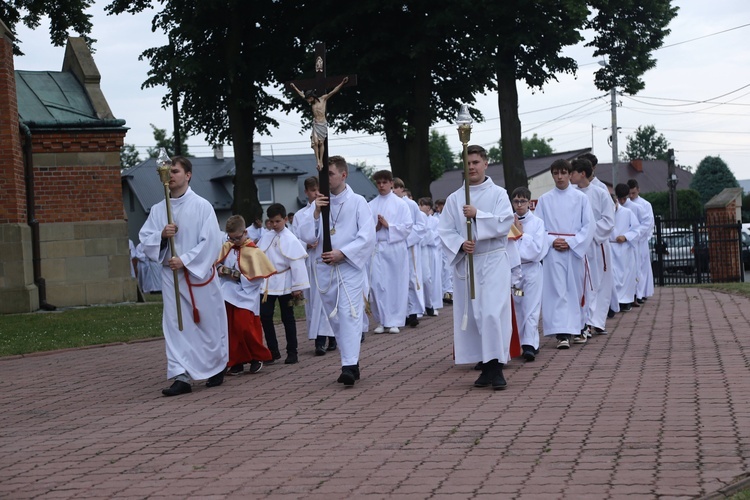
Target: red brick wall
78	193
12	185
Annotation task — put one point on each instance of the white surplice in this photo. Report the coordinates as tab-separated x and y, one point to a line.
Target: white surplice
599	290
482	327
316	319
532	247
624	255
200	350
432	265
288	255
566	214
389	281
341	286
416	279
645	287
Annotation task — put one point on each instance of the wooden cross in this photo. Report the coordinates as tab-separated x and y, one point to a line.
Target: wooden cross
320	84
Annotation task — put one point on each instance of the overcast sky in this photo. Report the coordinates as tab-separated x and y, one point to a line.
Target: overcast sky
698	95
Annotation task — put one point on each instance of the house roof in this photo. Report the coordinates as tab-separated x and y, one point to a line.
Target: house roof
208	172
357	180
56	99
650	174
453	179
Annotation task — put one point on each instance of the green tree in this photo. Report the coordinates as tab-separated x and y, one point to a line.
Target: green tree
163	141
128	156
65	16
441	156
689	204
746	208
533	147
647	144
711	177
222	60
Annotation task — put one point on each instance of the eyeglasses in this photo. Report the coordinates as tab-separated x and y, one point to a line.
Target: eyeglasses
235	238
520	202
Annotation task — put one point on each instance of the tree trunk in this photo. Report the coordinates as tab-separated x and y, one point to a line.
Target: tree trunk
510	125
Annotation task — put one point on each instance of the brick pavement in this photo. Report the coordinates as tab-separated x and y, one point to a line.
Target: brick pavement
660	408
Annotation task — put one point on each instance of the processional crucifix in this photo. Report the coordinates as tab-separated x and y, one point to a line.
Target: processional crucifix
313	90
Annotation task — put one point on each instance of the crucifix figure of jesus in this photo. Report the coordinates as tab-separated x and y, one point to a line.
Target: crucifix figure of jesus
319	132
309	90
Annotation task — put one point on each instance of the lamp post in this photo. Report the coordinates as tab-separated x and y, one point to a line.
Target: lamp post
613	105
464	135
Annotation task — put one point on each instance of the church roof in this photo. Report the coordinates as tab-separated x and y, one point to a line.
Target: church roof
56	99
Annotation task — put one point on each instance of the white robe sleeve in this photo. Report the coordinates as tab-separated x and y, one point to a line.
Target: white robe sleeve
359	250
495	224
582	239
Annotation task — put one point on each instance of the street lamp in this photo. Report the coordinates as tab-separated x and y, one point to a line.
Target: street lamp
613	98
464	135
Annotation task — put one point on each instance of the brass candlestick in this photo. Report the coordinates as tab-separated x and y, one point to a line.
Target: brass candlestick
464	135
164	166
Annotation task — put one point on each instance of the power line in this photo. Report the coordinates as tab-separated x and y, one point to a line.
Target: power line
702	37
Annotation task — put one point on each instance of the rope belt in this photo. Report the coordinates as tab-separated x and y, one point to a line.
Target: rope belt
196	314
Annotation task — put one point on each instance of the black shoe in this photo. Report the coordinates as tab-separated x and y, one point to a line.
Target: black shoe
485	379
610	313
529	353
275	355
291	359
356	371
216	380
429	311
498	381
412	321
332	345
178	387
320	346
236	369
478	366
363	338
640	301
635	304
255	366
347	376
625	307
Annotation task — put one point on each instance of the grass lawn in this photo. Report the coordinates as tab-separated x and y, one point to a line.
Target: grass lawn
85	326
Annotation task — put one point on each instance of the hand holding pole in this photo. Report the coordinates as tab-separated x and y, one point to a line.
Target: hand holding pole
164	166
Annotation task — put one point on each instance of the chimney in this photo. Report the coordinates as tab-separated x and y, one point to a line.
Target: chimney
219	151
637	165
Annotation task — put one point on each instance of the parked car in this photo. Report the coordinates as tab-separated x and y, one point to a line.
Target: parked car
676	249
746	250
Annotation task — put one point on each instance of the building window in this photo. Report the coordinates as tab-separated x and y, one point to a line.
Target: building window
265	190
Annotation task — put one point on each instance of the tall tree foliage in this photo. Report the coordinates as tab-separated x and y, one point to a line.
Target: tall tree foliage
689	204
128	156
221	59
647	144
711	177
530	147
65	16
162	140
441	156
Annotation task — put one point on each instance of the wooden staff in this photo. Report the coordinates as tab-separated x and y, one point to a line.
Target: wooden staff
164	168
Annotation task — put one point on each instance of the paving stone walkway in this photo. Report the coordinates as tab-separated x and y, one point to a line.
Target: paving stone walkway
659	408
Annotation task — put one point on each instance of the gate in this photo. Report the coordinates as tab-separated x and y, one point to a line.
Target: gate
692	251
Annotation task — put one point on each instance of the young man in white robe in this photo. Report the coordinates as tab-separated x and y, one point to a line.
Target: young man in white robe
415	305
288	256
598	290
389	281
570	224
432	261
318	328
623	239
340	273
482	326
201	349
532	247
645	287
638	210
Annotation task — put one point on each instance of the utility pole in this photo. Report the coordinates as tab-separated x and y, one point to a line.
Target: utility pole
613	95
672	184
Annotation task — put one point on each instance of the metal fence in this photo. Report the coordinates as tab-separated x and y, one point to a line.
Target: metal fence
690	251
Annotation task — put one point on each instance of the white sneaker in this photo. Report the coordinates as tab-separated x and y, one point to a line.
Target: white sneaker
579	339
563	344
394	329
379	329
